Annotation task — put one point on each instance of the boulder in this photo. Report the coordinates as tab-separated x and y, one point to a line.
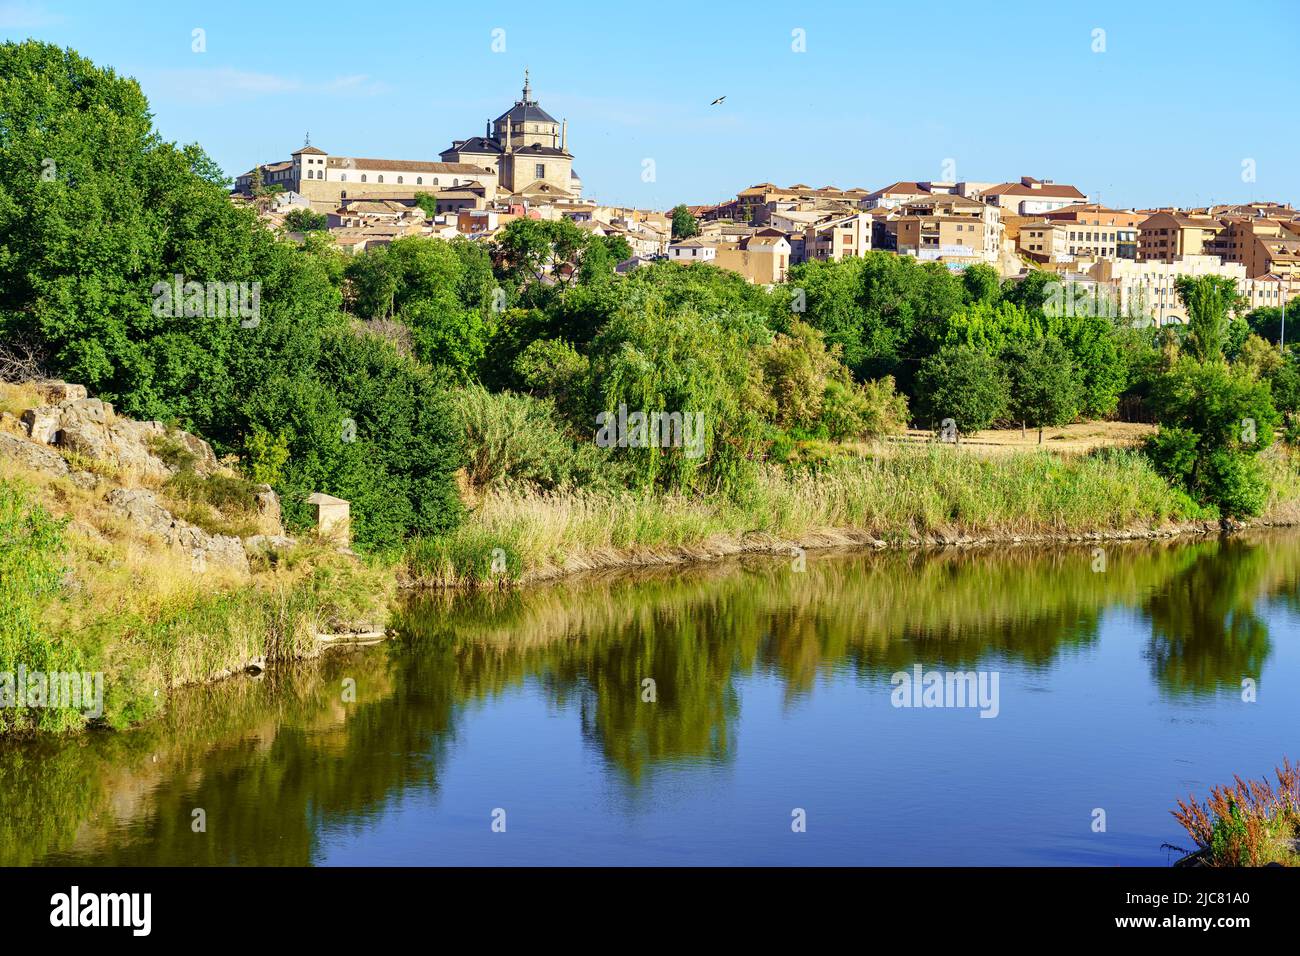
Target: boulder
205	460
268	505
42	424
58	391
268	542
87	410
141	508
31	455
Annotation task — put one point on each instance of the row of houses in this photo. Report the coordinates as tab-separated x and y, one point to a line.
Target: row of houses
1135	255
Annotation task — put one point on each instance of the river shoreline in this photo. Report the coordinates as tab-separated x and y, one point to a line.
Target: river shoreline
846	539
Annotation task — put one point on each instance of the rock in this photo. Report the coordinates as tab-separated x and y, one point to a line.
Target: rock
205	460
87	410
268	542
268	504
31	455
42	424
141	508
85	479
59	391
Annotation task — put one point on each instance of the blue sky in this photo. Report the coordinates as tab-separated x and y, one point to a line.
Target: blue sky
1183	94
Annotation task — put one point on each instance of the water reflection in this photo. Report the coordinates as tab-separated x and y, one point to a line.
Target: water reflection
279	762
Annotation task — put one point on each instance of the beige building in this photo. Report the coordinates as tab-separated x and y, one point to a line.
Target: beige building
529	150
763	258
326	180
838	238
1043	241
1166	236
948	228
523	154
1263	246
1031	197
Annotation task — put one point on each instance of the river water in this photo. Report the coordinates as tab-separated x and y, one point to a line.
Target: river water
744	712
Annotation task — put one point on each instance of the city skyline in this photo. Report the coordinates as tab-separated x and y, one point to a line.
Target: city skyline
834	96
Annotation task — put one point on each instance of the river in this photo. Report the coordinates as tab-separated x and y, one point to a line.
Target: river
734	713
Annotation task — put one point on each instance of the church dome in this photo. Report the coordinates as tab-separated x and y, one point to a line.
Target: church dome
526	109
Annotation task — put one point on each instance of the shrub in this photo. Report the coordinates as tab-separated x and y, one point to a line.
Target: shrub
1213	420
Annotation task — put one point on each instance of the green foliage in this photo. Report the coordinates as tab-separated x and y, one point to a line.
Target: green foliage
654	360
552	368
31	570
81	252
519	439
1214	420
435	289
265	455
884	311
962	383
1043	387
305	220
1208	300
684	224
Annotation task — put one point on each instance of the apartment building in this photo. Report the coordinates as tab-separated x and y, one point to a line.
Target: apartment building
839	237
1031	197
1093	230
1263	246
1043	241
1166	236
946	227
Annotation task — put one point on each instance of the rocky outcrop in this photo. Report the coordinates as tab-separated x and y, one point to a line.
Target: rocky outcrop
88	427
31	455
141	507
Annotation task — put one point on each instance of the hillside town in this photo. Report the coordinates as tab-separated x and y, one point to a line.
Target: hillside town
521	167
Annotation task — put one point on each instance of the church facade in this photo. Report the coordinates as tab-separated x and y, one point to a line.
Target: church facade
523	155
527	148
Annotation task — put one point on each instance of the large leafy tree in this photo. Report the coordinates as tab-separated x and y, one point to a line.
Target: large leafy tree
98	214
1209	300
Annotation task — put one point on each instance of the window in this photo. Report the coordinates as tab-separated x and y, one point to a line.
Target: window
311	174
435	180
541	170
380	178
399	180
343	177
363	177
419	180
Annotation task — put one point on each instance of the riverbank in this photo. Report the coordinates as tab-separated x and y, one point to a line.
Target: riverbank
911	497
146	568
105	578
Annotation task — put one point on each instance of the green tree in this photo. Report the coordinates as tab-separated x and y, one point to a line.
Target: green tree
305	220
1209	300
962	383
1044	390
1214	420
684	224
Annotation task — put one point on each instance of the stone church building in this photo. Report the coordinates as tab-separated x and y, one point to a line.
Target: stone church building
524	155
528	149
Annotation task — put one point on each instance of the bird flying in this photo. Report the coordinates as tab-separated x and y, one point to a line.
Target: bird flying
717	101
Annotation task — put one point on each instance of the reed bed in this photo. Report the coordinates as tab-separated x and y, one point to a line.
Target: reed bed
908	496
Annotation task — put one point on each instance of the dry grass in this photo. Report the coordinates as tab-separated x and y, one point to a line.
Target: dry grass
1077	439
910	495
16	399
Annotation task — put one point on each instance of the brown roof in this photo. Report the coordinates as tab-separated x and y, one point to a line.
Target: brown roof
1042	189
401	165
